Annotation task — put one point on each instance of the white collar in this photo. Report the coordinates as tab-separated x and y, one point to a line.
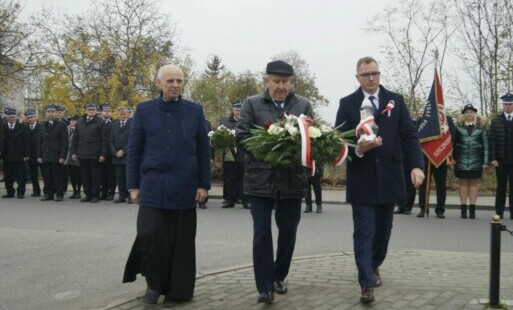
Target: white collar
375	94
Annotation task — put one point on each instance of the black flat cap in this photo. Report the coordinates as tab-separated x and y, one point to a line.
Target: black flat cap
508	98
10	111
279	67
30	113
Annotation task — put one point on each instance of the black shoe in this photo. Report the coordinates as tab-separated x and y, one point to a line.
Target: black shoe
308	209
120	200
266	297
245	205
7	196
280	287
228	205
407	212
319	209
47	198
20	196
423	213
202	205
35	195
440	215
58	198
109	197
76	195
150	297
86	199
399	211
94	200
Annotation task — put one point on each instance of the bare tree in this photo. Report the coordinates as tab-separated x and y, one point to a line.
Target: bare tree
417	34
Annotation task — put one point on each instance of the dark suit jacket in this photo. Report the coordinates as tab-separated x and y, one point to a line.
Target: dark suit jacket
90	140
118	140
2	136
54	141
16	143
378	177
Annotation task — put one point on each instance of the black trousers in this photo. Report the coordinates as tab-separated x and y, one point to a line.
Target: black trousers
411	193
504	174
91	177
164	251
15	172
34	178
315	183
108	178
53	176
74	177
121	180
440	177
287	216
233	175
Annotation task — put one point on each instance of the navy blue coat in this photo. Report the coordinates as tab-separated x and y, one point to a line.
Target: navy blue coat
168	153
378	177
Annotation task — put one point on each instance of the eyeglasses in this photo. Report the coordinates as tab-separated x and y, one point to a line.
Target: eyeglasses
368	75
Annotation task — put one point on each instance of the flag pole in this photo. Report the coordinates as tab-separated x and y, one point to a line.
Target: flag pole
428	188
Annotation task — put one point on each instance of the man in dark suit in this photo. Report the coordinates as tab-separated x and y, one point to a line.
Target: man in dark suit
16	152
34	129
501	154
267	186
375	178
118	142
168	172
108	184
52	155
90	146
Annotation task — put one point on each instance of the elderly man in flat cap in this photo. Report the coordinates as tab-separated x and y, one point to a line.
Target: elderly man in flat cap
501	153
267	186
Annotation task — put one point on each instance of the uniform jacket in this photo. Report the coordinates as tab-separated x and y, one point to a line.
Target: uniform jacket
263	179
35	140
69	161
90	139
378	177
54	141
168	153
497	136
471	148
118	140
108	127
16	143
231	123
2	136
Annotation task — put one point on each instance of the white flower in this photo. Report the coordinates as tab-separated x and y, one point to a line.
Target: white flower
210	134
325	128
232	132
222	127
291	129
314	132
275	130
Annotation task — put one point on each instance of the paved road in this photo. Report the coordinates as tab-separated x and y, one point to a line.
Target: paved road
71	256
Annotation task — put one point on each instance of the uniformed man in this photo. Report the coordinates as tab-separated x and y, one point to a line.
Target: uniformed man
60	114
130	112
501	154
35	135
118	142
16	152
52	155
90	147
108	172
73	166
233	165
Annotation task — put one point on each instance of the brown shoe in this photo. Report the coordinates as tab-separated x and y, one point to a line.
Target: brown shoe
367	295
377	278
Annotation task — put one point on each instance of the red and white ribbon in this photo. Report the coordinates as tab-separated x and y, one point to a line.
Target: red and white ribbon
342	156
389	107
365	126
303	123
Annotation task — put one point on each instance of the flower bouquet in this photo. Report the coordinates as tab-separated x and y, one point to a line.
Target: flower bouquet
298	140
222	137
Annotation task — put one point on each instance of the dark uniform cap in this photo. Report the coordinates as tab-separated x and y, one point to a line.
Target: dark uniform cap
90	106
279	67
106	105
10	111
468	107
51	107
75	117
30	113
508	98
237	105
59	108
129	108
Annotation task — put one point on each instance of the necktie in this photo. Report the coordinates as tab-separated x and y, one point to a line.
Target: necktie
374	107
509	118
11	126
89	119
122	124
279	105
51	123
31	127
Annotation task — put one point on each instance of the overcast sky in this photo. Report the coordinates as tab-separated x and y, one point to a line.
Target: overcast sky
328	34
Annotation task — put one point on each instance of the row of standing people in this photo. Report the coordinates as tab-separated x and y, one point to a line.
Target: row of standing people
86	150
475	146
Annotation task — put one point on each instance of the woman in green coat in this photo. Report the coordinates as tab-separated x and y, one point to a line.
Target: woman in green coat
471	155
